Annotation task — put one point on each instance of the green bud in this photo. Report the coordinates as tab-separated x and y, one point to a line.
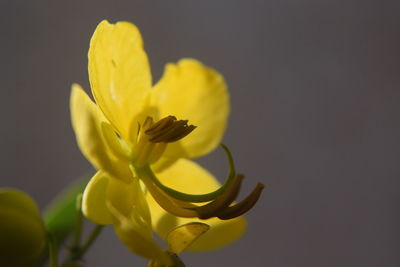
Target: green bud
22	233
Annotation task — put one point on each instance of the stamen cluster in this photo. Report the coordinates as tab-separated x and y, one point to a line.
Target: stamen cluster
169	130
152	141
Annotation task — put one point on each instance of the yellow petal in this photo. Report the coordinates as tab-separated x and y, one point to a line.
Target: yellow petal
87	119
187	176
110	201
119	73
117	145
94	199
192	91
132	221
127	198
221	233
137	242
183	236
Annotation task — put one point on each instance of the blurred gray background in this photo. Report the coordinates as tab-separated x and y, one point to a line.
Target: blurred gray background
315	90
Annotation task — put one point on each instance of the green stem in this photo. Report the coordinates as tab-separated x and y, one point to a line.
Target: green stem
191	197
76	239
89	241
53	254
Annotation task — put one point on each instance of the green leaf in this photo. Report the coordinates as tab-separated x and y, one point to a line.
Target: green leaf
61	215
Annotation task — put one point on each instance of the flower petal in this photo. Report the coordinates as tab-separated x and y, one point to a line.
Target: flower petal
94	199
86	120
137	242
119	72
192	91
187	176
183	236
132	221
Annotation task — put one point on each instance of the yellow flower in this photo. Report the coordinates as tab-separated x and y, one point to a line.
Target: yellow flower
138	137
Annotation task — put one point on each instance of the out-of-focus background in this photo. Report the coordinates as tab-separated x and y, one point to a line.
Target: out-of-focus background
315	91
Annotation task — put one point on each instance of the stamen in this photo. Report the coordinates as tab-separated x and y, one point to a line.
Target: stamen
160	125
243	206
157	152
193	197
187	130
169	130
222	201
173	206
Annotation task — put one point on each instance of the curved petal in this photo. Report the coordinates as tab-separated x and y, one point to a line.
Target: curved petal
132	221
183	236
94	199
187	176
137	242
86	120
119	72
191	91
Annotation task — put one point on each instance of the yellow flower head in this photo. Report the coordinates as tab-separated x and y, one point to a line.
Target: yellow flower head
139	136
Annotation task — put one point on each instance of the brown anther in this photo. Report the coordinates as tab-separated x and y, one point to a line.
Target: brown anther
187	130
223	201
169	130
161	125
243	206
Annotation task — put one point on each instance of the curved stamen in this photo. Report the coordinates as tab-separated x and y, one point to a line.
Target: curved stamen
173	206
243	206
219	207
222	201
196	198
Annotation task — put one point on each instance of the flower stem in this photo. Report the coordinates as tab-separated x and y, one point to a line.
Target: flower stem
53	254
86	245
76	239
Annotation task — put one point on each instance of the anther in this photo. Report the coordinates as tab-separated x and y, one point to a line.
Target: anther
169	130
184	133
222	201
243	206
160	125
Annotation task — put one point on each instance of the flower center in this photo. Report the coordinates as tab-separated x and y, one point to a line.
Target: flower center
153	138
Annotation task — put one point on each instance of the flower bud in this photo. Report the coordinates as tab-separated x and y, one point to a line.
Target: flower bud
22	233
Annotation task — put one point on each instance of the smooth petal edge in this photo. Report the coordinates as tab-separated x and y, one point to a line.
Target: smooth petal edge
132	222
94	199
191	90
126	83
86	119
